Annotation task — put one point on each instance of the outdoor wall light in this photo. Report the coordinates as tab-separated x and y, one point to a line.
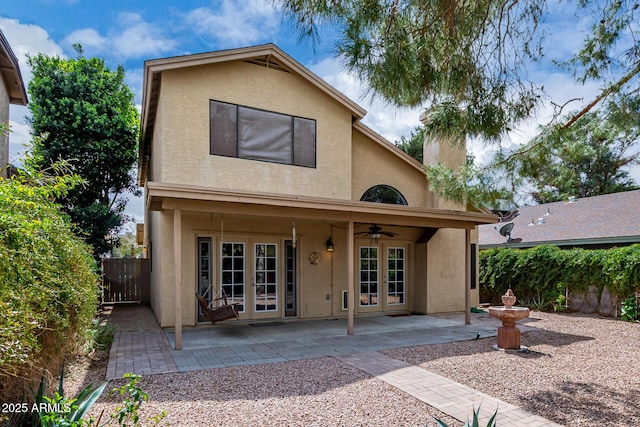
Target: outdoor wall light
329	245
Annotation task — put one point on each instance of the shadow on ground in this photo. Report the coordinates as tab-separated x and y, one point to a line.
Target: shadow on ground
575	403
530	338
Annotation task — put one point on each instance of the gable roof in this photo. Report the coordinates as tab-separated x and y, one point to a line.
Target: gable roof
11	73
609	219
267	55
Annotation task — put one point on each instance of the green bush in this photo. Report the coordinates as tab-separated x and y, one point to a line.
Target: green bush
629	309
48	284
539	276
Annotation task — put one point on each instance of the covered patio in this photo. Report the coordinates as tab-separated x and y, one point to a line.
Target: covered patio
342	216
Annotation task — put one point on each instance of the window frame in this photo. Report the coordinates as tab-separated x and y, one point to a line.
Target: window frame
303	152
381	189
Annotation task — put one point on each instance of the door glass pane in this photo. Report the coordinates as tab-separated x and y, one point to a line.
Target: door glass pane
266	283
368	276
290	285
395	276
233	276
204	273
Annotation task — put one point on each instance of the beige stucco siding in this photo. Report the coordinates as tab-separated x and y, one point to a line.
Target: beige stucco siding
160	247
446	272
155	165
184	133
445	264
374	165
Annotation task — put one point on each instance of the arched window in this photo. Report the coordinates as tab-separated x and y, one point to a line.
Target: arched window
383	194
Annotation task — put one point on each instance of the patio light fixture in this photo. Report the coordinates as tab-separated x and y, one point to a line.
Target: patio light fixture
329	245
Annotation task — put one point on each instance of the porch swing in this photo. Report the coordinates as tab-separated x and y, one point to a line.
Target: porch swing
225	311
219	313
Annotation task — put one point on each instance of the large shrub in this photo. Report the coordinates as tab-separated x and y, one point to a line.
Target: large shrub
48	284
543	272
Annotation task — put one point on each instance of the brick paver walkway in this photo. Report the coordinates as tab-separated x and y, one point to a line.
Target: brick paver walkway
450	397
140	352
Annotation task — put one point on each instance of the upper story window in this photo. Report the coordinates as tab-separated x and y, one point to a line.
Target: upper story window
249	133
383	194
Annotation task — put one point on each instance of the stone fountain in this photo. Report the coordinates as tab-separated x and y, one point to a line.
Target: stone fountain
508	333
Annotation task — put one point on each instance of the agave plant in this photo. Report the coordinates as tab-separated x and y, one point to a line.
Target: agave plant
59	410
475	422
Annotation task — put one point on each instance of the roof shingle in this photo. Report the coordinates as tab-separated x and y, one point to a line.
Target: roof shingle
604	220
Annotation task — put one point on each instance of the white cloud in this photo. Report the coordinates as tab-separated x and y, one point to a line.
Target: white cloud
89	38
234	23
27	39
19	137
132	37
137	38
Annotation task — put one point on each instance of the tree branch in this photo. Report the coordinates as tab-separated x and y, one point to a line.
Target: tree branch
613	88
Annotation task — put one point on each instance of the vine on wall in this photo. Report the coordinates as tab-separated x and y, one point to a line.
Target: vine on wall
539	276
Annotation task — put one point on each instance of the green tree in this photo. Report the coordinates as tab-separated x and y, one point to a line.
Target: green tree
413	145
583	160
83	112
462	58
468	61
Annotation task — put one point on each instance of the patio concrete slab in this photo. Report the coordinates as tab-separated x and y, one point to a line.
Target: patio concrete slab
235	344
376	331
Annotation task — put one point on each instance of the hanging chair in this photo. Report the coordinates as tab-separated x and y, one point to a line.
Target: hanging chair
218	314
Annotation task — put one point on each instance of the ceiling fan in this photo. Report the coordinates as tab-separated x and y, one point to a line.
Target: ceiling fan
374	233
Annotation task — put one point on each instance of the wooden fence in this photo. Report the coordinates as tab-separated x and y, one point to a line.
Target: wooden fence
125	280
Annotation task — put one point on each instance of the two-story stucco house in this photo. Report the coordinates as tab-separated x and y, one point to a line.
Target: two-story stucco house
12	91
261	182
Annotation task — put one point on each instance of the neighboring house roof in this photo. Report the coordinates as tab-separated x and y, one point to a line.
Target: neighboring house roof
268	55
11	73
607	220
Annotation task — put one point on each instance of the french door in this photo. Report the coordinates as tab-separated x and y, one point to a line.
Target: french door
382	277
265	281
257	274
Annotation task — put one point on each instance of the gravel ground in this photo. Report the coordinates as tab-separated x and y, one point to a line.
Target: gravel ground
581	369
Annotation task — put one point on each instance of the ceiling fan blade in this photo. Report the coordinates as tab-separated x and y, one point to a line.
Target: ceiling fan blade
388	233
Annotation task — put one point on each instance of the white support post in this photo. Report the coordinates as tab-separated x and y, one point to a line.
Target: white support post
177	268
350	278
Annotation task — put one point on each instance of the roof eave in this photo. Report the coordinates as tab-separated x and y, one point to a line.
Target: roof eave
11	72
166	196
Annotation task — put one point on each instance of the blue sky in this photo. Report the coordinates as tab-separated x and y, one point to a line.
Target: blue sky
129	32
